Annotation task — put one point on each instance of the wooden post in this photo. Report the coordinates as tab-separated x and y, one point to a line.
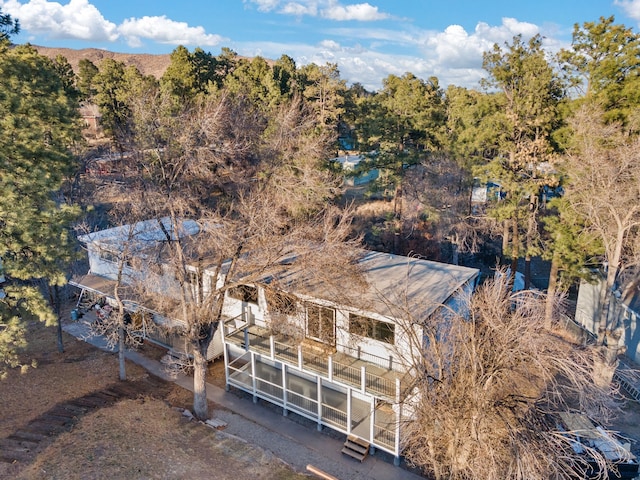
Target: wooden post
316	471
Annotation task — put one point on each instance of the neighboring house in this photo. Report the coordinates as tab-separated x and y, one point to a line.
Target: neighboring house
91	116
349	163
338	357
624	312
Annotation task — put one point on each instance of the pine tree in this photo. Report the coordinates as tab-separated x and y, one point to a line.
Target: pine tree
39	124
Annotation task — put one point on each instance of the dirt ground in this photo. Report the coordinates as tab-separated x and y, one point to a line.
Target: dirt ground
143	438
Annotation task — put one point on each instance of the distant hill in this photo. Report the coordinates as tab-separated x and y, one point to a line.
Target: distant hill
148	64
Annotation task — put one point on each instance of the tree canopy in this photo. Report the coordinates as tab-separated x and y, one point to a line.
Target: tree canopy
39	121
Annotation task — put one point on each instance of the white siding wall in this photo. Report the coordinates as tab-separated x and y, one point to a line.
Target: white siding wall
588	305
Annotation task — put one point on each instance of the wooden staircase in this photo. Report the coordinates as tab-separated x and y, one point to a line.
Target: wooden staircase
356	448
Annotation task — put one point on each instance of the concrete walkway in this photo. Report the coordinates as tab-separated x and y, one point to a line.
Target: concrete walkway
296	444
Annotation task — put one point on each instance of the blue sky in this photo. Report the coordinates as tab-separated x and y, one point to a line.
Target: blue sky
368	40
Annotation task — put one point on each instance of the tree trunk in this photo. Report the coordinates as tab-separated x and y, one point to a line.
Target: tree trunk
200	405
515	251
121	349
505	242
531	225
607	292
455	257
120	324
397	220
54	301
60	342
551	291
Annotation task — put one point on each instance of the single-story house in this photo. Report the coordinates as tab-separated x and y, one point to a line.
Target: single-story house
340	362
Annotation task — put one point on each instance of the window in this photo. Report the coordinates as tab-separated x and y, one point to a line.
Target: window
368	327
113	257
281	303
321	323
244	293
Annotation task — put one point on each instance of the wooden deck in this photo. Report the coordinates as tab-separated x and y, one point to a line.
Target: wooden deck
346	369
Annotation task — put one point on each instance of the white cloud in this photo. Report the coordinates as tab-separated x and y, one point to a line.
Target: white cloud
329	9
630	7
505	32
454	55
299	9
264	5
163	30
330	44
456	49
80	20
362	12
76	20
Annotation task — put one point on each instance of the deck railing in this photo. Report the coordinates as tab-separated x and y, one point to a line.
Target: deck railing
283	384
334	416
383	362
361	371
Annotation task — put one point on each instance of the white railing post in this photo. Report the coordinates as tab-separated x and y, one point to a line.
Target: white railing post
330	368
348	411
225	352
319	400
363	379
285	411
253	377
299	357
397	390
396	447
372	423
272	347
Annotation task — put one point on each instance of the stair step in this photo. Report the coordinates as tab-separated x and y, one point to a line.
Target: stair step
356	448
358	440
358	456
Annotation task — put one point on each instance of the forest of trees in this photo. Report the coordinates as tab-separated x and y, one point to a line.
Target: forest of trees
245	143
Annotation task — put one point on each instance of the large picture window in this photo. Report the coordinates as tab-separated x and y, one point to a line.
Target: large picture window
244	293
321	323
371	328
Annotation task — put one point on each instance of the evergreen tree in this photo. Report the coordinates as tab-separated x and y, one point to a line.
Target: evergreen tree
111	97
529	93
401	123
40	123
604	66
86	74
8	26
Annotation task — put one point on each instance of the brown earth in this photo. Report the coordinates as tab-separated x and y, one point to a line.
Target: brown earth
148	64
141	436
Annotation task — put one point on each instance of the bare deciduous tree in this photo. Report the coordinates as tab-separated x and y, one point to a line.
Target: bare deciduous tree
252	185
437	199
490	388
604	190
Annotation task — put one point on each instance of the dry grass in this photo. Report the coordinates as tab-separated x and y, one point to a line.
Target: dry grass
132	439
146	439
58	377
